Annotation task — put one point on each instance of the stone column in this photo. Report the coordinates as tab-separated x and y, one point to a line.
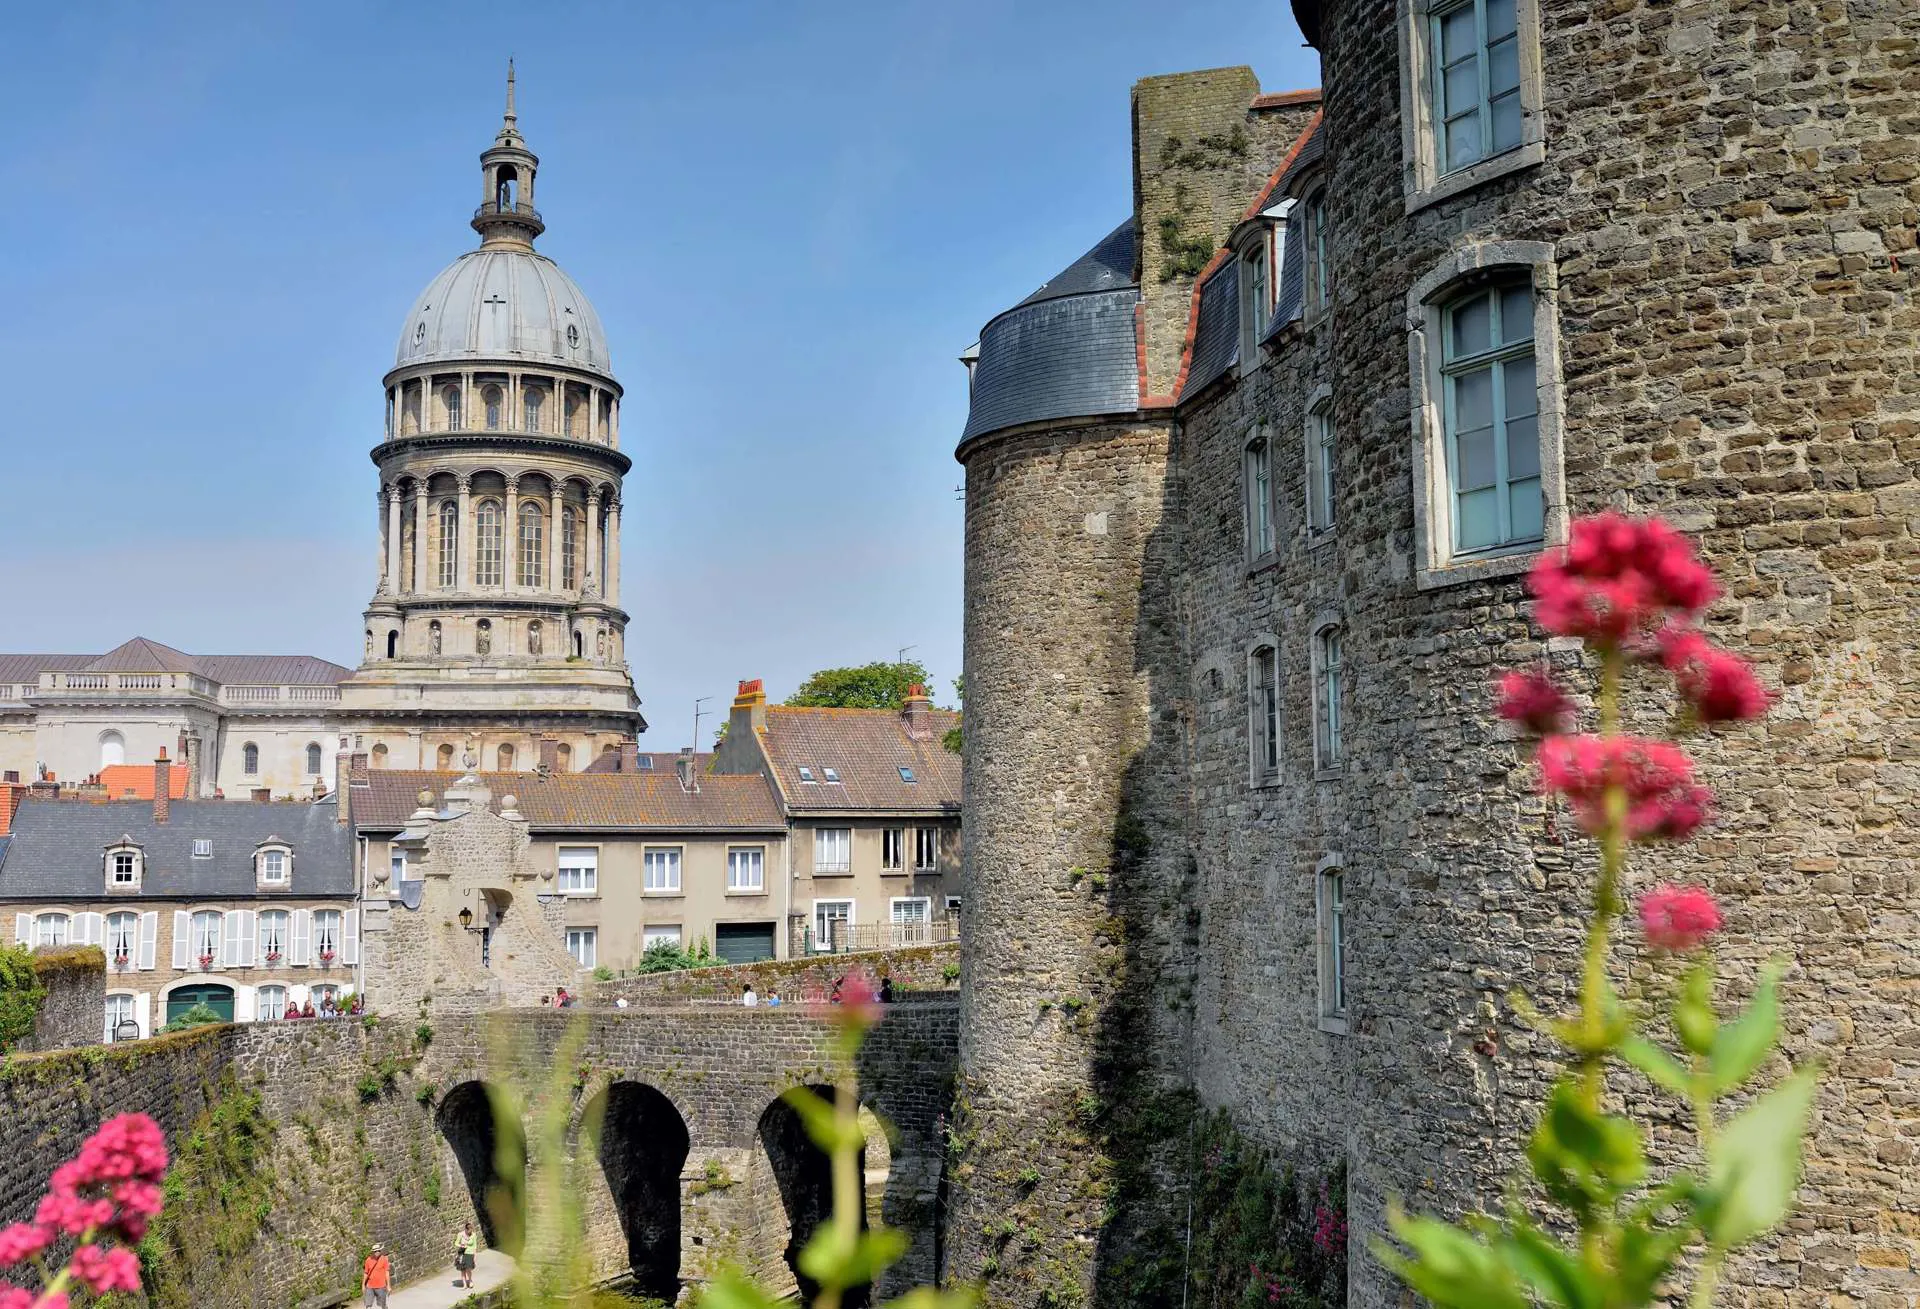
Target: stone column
613	550
552	560
420	536
463	543
510	542
380	541
590	584
393	538
467	419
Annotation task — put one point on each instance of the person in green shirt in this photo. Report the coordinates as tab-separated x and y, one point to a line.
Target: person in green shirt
465	1247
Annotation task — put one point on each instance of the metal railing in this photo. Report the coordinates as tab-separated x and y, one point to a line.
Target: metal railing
494	209
846	938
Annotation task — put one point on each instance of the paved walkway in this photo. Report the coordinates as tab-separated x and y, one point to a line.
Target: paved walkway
443	1289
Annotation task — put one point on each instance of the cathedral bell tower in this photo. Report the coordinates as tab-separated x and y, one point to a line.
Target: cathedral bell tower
496	617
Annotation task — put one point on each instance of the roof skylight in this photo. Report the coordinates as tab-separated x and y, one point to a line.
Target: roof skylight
806	773
906	774
832	776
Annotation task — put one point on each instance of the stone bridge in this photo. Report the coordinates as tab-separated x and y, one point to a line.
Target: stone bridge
699	1160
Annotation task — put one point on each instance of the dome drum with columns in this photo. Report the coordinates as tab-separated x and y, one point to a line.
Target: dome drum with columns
497	597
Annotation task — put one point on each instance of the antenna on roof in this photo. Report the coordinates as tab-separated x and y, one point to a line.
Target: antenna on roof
697	716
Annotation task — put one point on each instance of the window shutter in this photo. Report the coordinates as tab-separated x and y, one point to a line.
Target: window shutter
93	929
23	929
143	1007
149	934
182	929
350	936
239	939
243	1002
302	937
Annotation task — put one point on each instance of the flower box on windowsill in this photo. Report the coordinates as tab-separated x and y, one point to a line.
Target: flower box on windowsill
122	962
272	957
326	958
206	962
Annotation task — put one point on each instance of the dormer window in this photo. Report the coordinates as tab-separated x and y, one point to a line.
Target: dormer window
273	864
125	863
1256	297
202	847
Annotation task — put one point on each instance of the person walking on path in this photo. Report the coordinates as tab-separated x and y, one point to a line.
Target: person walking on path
376	1276
466	1248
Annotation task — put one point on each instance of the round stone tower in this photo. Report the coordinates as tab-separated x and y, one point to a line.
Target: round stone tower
496	616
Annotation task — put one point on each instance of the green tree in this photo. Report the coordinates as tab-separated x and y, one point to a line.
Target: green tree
870	686
20	995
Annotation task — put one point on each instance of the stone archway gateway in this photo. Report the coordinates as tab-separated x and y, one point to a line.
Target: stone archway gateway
493	1162
643	1149
804	1175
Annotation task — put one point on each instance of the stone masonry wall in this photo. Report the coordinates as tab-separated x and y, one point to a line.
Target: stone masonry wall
916	968
73	1012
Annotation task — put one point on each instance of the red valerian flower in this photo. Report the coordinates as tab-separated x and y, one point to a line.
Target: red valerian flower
22	1241
1678	917
1532	700
1720	686
1618	577
102	1270
1662	801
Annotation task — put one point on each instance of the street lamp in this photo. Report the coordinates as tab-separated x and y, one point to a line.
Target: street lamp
466	918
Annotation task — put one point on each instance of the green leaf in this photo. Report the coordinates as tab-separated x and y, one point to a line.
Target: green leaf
926	1297
1753	1167
824	1126
1584	1159
1548	1269
1693	1016
1450	1267
1665	1071
832	1261
1647	1255
1742	1045
732	1290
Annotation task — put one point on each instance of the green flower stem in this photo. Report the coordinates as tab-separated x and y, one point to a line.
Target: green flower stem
1704	1126
846	1181
1606	894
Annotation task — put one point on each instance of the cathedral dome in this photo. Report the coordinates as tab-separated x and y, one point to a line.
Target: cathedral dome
503	302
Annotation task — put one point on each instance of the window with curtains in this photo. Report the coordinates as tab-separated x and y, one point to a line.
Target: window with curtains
893	845
583	943
746	868
569	546
487	544
273	936
52	929
926	849
272	1004
326	936
121	1008
579	870
203	937
532	543
833	850
661	870
447	563
1491	419
123	931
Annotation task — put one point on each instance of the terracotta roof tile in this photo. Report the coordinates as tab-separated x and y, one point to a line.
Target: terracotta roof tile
585	801
866	749
135	781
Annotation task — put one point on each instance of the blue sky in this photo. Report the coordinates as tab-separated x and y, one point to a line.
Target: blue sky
791	218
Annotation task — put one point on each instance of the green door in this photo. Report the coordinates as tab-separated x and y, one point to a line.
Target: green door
743	943
217	998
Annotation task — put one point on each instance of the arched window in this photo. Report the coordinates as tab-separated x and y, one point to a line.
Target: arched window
505	184
563	758
1258	491
113	749
1330	914
573	410
393	643
450	402
503	759
250	759
1327	676
1491	411
532	545
491	398
569	546
531	399
379	756
1263	713
487	544
313	758
443	758
579	644
448	562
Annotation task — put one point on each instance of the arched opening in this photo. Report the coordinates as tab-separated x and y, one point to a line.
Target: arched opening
486	1137
113	749
393	643
450	401
503	759
443	758
250	759
643	1148
380	756
876	1166
313	758
579	645
491	397
506	185
214	996
563	757
804	1174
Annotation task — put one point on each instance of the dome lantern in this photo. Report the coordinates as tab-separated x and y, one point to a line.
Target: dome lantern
506	216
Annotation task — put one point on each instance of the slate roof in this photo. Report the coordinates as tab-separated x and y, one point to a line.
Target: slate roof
1106	267
1216	329
600	802
141	655
55	849
867	748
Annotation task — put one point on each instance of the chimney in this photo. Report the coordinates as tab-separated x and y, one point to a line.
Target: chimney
262	794
739	749
689	780
629	754
342	762
10	794
549	753
918	714
189	756
162	786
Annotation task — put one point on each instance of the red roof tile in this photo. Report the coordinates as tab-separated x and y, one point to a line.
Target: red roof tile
866	748
584	801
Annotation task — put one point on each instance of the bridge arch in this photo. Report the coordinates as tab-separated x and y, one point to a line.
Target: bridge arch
803	1174
483	1129
643	1144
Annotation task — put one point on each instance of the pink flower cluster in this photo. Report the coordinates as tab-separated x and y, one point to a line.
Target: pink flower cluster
1329	1230
1619	578
1678	917
109	1192
1663	804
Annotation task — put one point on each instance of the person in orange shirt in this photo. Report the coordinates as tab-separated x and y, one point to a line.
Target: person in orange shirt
376	1277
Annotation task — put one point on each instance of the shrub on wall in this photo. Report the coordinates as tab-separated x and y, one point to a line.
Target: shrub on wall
219	1192
21	995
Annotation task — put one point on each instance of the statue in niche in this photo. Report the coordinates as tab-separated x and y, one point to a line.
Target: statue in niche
483	638
369	643
433	639
600	644
533	638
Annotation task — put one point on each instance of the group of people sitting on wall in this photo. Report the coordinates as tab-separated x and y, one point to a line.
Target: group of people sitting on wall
330	1007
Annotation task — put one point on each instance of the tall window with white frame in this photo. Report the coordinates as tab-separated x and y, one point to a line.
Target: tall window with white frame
1476	80
1492	419
1263	719
122	937
121	1008
1330	893
449	544
832	850
491	397
893	846
204	936
661	870
272	1004
1318	290
1255	299
926	849
1257	486
487	544
273	935
579	870
1320	467
532	545
326	936
583	943
746	869
1327	675
451	398
532	398
51	929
